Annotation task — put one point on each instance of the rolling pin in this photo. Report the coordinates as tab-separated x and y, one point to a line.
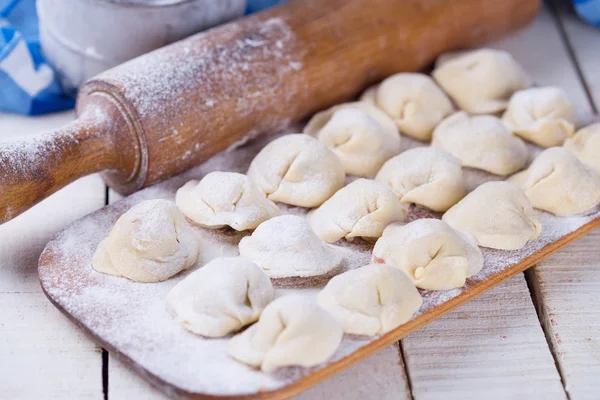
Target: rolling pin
171	109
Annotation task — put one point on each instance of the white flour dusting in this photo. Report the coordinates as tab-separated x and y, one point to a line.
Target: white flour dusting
132	317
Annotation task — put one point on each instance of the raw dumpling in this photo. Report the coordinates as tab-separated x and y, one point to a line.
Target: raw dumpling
225	199
286	247
371	300
559	183
225	295
413	101
586	146
297	169
434	255
361	135
497	214
424	175
149	243
480	81
542	115
362	209
481	142
292	331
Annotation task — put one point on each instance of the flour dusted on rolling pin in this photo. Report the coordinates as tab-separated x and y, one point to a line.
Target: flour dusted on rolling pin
199	96
164	76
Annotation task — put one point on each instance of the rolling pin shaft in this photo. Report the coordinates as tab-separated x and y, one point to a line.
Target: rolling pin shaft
171	109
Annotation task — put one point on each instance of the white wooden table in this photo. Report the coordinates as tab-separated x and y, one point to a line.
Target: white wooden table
536	336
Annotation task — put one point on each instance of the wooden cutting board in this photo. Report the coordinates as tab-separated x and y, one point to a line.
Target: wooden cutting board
131	321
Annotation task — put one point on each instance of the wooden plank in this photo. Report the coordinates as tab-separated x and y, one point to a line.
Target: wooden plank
582	39
381	376
44	356
567	286
507	354
490	348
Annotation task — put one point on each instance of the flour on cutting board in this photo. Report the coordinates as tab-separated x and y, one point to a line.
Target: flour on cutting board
132	316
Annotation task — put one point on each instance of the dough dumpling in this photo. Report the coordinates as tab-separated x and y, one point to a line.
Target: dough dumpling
223	296
149	243
433	254
413	101
559	183
427	176
371	300
480	81
362	136
292	331
497	214
297	169
542	115
481	142
225	199
362	209
586	146
286	247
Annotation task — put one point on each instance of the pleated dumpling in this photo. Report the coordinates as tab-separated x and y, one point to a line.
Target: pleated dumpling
362	136
292	331
542	115
297	169
362	209
481	142
585	144
497	214
223	296
371	300
286	247
225	199
427	176
433	254
559	183
480	81
149	243
413	101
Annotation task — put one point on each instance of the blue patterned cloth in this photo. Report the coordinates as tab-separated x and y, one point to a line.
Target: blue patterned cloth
27	83
257	5
589	10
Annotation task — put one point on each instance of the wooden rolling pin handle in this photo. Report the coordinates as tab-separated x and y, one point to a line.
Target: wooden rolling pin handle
35	167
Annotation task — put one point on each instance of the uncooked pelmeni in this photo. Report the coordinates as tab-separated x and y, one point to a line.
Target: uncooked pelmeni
361	135
559	183
371	300
427	176
225	199
497	214
585	144
542	115
362	209
481	142
292	331
286	247
480	81
413	101
149	243
297	169
223	296
431	252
